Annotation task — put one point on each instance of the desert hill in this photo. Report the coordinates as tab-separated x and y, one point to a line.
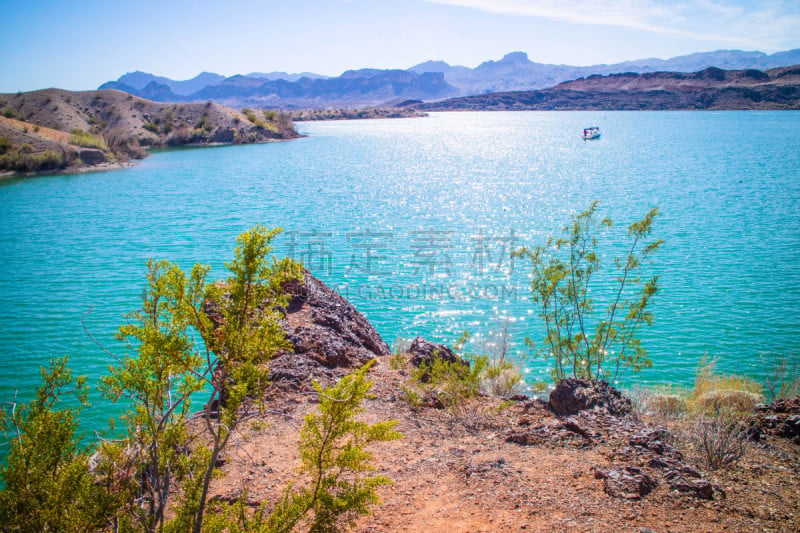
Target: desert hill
118	127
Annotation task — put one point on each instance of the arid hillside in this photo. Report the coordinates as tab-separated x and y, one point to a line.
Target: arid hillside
50	129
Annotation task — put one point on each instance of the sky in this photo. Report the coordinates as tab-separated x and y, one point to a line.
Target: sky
79	45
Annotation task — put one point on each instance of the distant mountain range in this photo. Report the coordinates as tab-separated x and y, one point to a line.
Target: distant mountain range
429	81
710	88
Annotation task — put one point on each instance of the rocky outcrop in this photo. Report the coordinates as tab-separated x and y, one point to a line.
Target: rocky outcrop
781	418
570	396
92	156
590	414
626	482
328	335
425	351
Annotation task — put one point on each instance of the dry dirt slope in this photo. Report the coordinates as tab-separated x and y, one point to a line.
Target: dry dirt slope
456	474
128	124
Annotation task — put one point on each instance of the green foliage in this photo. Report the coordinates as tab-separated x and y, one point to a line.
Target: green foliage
452	384
455	382
248	337
167	370
82	138
10	113
5	145
253	118
151	127
205	124
23	159
169	121
501	378
456	385
334	460
48	484
158	381
399	357
581	344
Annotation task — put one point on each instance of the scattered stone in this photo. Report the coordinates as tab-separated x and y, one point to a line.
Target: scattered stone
626	482
790	428
699	488
753	434
781	418
652	439
570	396
480	468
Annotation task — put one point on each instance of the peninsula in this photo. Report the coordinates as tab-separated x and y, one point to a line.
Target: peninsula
54	130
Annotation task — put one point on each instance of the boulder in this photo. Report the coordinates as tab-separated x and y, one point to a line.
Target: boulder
92	156
424	351
570	396
626	482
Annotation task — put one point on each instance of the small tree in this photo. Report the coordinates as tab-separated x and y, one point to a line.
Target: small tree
247	337
168	368
563	269
48	486
159	381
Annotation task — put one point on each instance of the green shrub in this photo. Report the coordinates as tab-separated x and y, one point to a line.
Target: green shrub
23	160
582	344
334	461
48	486
87	140
151	127
204	124
5	145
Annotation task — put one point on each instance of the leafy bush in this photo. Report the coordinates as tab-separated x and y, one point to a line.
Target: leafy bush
501	377
151	127
334	460
48	486
399	358
581	344
204	124
122	144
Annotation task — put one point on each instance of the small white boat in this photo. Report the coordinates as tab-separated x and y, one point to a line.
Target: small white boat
591	133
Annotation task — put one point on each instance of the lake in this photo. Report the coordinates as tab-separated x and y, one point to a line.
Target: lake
413	220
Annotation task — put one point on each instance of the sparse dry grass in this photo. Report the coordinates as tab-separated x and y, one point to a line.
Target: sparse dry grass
53	135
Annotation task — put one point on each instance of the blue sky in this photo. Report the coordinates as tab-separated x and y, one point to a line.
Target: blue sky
78	45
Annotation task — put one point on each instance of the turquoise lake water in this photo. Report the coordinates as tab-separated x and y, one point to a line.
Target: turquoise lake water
413	220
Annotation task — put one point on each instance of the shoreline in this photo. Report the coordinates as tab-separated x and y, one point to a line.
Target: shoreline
118	165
